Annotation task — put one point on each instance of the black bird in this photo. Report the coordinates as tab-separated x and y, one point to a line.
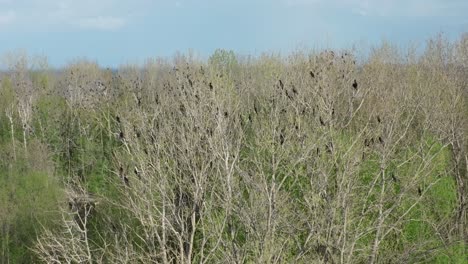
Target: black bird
329	147
394	178
281	137
378	119
321	121
355	85
182	108
281	84
226	114
294	90
419	191
312	74
211	86
288	95
381	140
137	172
121	135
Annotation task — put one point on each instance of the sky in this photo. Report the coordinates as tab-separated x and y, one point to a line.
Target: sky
114	32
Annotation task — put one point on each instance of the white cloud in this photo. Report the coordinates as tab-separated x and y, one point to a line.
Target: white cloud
408	8
7	18
101	23
390	8
50	15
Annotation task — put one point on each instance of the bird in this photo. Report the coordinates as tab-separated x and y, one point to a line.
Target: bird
355	84
211	86
366	142
137	132
394	178
312	74
321	121
329	146
378	119
381	140
294	90
281	84
137	172
281	137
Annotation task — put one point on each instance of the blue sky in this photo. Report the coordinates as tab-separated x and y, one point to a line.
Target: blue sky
114	32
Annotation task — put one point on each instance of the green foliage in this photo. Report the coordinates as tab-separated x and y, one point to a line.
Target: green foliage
224	61
456	253
29	198
7	94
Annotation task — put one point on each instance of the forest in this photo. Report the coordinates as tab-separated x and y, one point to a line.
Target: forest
316	156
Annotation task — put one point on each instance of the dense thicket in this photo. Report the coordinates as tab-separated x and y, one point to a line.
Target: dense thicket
309	158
